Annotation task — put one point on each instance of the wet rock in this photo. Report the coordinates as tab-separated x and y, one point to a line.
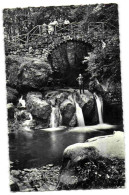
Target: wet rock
56	97
10	110
97	163
90	113
15	172
12	95
73	121
83	99
39	109
67	109
22	115
87	102
14	187
34	74
61	97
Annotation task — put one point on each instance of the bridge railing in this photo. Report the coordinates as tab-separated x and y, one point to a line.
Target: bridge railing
47	33
39	30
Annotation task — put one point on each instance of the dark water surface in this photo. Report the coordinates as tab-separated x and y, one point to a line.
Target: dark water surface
35	149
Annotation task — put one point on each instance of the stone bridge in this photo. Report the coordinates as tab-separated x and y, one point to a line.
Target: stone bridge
40	43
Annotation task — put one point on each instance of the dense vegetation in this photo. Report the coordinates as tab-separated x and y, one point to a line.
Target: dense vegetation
104	63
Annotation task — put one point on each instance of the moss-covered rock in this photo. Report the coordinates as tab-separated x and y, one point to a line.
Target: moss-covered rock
34	74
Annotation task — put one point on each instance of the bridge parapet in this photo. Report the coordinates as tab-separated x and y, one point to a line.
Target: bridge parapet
37	41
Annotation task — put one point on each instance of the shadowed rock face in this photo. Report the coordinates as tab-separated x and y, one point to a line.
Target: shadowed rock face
12	95
94	164
10	110
67	110
66	61
88	105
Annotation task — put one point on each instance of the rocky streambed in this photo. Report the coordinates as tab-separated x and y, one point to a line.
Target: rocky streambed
41	179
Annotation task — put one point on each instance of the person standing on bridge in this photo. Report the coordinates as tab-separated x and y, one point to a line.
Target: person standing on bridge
44	29
55	24
50	28
60	22
80	83
66	23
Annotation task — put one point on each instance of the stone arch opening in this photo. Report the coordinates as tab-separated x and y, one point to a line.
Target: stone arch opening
66	62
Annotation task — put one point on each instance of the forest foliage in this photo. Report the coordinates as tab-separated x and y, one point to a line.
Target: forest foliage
106	63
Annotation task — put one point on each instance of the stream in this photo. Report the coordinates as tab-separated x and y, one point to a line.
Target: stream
38	148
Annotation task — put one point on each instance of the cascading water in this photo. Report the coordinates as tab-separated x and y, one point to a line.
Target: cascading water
52	119
56	117
99	104
79	114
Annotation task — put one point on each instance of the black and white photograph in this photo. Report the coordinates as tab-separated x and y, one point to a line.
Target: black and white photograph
64	97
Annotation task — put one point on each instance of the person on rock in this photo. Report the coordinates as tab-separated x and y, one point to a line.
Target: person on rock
61	23
80	83
55	24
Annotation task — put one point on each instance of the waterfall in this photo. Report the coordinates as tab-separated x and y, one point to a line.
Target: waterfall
56	117
99	104
52	119
31	118
79	114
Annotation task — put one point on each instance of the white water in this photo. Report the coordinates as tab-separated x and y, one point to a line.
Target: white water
52	119
56	117
27	123
99	104
22	102
79	114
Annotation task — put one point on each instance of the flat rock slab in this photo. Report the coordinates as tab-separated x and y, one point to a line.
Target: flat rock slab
111	146
91	128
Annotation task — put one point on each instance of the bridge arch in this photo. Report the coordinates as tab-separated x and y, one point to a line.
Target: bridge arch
45	43
66	59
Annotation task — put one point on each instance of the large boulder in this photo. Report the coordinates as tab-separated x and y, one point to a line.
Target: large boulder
12	95
57	96
68	109
34	74
39	108
97	163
